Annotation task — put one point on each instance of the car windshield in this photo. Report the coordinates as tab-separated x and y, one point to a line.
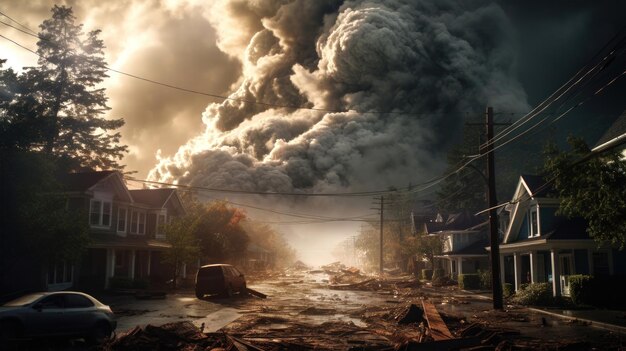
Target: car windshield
210	271
24	300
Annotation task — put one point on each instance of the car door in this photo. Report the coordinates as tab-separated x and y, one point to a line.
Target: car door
47	316
80	314
237	278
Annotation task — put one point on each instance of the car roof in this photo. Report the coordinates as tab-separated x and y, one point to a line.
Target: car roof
49	293
217	265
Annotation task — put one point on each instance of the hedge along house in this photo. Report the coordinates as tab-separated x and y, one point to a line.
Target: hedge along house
126	237
463	238
541	247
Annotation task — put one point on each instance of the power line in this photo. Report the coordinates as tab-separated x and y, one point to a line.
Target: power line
228	98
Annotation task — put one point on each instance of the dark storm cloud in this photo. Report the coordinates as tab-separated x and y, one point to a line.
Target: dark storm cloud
169	41
428	62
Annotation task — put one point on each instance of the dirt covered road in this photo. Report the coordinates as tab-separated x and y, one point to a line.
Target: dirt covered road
320	310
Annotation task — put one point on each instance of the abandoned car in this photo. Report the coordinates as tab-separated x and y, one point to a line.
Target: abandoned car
66	313
221	279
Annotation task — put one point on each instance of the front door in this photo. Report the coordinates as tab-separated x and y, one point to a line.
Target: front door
566	271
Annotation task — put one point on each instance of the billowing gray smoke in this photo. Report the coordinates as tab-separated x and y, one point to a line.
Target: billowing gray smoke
406	73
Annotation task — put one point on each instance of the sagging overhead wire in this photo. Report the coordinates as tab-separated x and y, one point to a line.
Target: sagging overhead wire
567	87
212	95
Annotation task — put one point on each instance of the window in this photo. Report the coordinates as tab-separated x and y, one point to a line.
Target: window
601	263
137	222
160	223
534	224
77	301
142	223
121	219
52	302
59	273
100	213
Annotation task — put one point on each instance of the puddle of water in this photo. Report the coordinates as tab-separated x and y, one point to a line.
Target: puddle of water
217	320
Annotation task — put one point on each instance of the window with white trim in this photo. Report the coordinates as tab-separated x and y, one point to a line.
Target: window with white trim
60	273
161	220
122	219
137	222
100	213
534	222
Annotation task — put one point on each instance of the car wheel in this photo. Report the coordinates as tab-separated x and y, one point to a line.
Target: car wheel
9	331
199	294
228	292
100	333
244	289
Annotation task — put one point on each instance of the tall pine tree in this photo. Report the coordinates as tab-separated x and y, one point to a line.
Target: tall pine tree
65	85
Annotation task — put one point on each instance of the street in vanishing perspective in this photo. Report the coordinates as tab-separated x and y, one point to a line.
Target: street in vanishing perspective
312	175
339	309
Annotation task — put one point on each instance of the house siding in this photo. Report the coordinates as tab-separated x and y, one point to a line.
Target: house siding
581	262
523	231
619	262
547	216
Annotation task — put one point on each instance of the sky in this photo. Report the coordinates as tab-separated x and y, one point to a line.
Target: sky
385	87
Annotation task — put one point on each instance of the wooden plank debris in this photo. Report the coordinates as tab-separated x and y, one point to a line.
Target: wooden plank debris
256	293
438	329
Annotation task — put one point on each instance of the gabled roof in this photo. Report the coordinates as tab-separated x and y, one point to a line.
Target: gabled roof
156	198
615	134
569	229
456	221
536	185
476	248
83	181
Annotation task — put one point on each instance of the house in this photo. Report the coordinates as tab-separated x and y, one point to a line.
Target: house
540	246
464	237
126	237
257	258
614	137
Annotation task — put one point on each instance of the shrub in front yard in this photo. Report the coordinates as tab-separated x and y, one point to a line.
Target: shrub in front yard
507	290
141	283
127	283
581	289
438	273
485	279
427	274
120	283
538	294
469	281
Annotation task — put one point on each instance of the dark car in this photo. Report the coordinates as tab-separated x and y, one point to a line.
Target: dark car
221	279
65	313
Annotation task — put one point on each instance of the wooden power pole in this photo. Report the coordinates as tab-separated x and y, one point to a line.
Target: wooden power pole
381	209
493	215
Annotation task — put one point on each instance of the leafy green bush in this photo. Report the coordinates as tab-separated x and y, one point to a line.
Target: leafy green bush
485	279
537	294
507	290
438	273
141	283
127	283
427	274
581	289
120	283
469	281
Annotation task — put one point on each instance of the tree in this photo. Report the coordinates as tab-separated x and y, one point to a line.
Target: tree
591	188
57	106
35	223
466	188
180	234
271	240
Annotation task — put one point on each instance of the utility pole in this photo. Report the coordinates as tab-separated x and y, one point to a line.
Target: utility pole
381	209
493	215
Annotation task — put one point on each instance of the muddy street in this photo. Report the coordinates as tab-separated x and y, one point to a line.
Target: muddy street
306	310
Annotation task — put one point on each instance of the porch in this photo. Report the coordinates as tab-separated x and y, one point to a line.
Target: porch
453	265
552	264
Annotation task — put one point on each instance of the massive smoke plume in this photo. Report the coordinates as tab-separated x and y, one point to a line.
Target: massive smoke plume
402	77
